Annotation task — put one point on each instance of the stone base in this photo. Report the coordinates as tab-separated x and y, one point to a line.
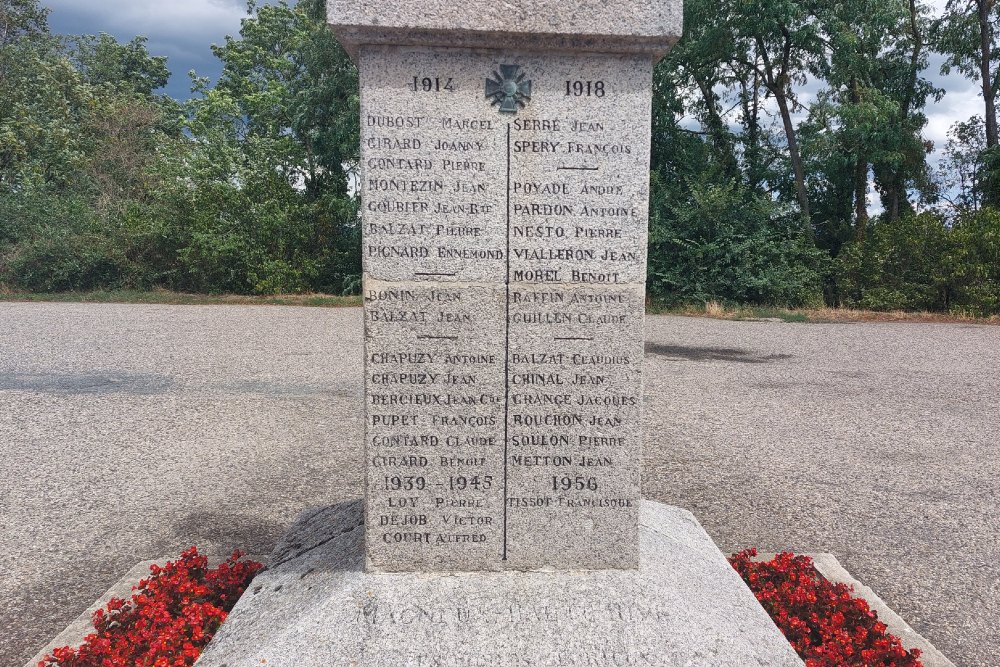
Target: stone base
315	606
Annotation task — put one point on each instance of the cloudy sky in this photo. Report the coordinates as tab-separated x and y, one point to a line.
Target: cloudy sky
184	29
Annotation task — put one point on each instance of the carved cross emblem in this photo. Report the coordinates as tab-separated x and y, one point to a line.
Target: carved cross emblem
508	89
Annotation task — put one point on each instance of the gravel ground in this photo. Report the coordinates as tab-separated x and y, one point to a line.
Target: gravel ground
131	432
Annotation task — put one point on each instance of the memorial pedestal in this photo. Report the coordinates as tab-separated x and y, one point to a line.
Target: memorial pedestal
317	607
504	174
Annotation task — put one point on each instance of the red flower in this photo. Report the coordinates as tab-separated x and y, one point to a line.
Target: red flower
825	624
169	620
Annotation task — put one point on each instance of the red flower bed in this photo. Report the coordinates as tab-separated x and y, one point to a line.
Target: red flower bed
173	614
825	624
169	620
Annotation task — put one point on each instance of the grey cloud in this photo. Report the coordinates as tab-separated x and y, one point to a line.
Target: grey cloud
176	20
182	30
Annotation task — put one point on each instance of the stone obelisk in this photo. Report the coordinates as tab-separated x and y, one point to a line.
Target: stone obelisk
504	187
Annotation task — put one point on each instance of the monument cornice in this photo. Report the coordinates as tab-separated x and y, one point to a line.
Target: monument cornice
613	26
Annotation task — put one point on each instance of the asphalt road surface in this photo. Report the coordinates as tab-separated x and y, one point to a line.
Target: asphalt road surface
131	432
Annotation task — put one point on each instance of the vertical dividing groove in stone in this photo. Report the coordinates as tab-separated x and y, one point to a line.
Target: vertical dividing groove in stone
506	364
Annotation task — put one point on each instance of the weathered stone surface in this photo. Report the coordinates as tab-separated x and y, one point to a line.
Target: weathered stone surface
315	606
438	165
435	424
505	214
608	26
436	415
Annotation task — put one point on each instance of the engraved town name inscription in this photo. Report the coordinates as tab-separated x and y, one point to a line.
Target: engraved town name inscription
505	215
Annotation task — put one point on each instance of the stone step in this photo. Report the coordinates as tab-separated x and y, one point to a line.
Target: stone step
316	606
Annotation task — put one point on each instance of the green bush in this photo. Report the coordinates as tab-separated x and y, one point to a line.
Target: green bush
724	243
920	263
898	267
55	243
59	241
973	264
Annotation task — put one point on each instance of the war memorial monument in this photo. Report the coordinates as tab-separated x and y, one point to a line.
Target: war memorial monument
504	180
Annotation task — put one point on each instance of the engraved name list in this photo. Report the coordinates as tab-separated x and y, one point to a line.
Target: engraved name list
504	218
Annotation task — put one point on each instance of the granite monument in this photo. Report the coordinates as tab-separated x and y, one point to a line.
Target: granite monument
505	213
504	183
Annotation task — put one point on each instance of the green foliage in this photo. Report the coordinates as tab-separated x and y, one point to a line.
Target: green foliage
968	36
103	61
727	187
58	243
20	19
957	36
269	211
989	183
920	263
973	264
716	231
759	193
723	243
898	267
104	184
964	178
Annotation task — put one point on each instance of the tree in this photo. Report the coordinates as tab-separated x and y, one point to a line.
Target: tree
103	61
830	164
726	244
277	138
698	65
42	99
778	43
875	99
904	166
967	36
856	33
81	141
713	235
288	76
756	182
963	170
990	181
22	18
